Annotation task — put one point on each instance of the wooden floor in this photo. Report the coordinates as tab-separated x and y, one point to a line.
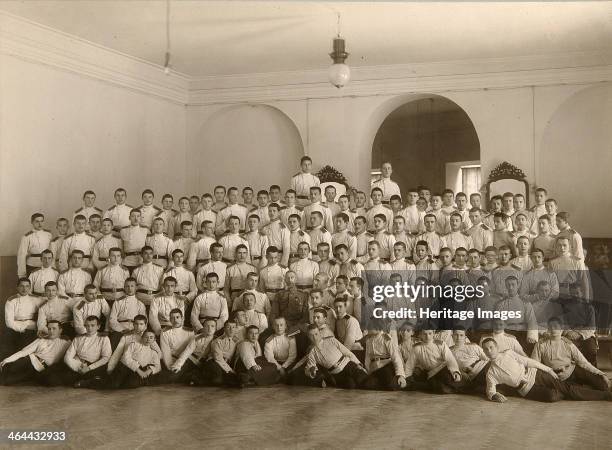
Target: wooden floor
291	417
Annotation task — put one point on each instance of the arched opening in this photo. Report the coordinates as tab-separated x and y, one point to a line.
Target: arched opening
575	158
430	141
247	145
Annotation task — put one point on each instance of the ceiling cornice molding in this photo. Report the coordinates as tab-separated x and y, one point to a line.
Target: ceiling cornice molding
437	68
37	43
40	44
395	86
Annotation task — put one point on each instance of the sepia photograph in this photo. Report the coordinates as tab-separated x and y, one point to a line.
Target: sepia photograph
305	224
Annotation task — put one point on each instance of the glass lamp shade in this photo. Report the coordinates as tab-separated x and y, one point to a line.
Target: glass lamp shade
339	74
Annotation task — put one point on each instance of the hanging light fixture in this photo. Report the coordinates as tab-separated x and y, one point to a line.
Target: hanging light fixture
339	73
167	55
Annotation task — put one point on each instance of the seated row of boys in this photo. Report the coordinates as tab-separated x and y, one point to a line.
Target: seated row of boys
497	367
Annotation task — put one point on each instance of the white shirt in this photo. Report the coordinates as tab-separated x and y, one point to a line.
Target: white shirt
431	357
119	214
57	308
32	243
173	342
305	271
302	182
123	312
159	313
218	267
79	241
209	304
42	352
20	312
95	351
388	187
280	350
40	277
73	282
147	214
138	355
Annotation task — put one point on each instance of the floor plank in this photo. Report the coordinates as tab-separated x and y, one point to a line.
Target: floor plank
300	418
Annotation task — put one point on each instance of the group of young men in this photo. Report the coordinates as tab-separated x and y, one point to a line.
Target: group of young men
278	290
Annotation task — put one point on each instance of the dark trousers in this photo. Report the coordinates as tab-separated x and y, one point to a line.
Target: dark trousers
478	384
549	389
350	377
383	378
124	378
62	375
214	375
19	371
183	376
521	337
115	337
440	383
266	376
588	347
581	376
15	341
68	330
302	344
298	377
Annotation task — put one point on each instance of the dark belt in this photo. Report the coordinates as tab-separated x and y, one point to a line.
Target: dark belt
303	286
335	366
34	255
132	253
111	290
160	257
38	294
380	359
274	290
385	202
202	261
146	291
303	197
72	294
235	290
209	317
293	255
102	259
87	256
227	260
181	292
255	257
124	320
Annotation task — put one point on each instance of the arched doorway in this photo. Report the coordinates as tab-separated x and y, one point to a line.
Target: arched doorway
430	141
247	145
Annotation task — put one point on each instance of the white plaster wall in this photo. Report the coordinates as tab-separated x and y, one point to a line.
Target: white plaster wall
62	133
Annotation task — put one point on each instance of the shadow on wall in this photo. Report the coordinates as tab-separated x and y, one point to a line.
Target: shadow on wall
8	281
248	145
575	159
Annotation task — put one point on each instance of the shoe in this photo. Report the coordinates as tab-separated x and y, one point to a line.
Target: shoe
323	383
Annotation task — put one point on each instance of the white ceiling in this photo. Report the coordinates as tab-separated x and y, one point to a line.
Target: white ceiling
223	38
